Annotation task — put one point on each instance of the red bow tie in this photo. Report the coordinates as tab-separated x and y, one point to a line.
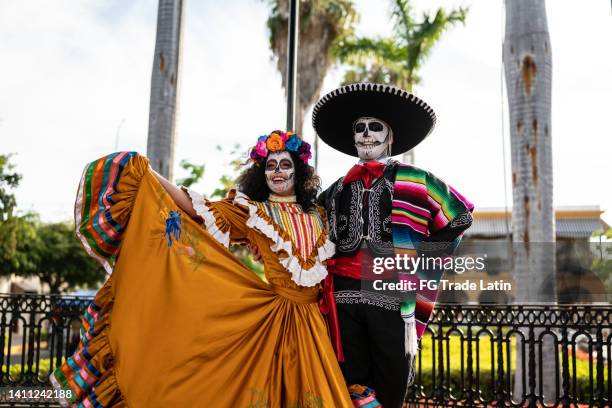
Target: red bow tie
366	172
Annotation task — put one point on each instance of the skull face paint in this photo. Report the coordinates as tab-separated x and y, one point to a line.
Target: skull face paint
280	173
373	138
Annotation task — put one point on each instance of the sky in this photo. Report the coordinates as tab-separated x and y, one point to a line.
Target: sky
75	79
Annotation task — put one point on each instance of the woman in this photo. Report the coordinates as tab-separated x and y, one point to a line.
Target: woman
181	322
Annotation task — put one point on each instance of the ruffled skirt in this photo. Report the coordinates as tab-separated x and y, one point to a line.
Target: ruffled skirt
185	324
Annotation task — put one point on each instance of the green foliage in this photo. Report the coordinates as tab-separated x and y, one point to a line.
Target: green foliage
30	248
9	180
48	251
396	60
340	13
228	181
17	233
242	252
60	260
18	239
196	172
15	370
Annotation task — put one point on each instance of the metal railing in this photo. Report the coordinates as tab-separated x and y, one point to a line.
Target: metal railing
469	354
467	358
36	333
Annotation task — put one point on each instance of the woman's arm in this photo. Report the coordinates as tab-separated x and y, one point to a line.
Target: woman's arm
180	197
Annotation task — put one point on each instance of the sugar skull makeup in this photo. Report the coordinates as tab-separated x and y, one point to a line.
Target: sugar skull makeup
280	173
373	138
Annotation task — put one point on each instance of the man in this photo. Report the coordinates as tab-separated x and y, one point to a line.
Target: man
382	208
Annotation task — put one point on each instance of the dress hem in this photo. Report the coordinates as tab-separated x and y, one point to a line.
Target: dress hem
89	374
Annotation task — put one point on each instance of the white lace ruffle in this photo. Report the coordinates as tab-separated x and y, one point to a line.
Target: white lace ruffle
210	223
303	277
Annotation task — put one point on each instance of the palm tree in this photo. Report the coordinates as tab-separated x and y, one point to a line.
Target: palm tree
164	86
322	24
528	68
396	60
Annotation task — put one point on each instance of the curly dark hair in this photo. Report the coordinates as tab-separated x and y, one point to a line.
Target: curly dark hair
252	182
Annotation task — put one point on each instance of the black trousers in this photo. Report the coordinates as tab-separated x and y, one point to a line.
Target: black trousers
372	332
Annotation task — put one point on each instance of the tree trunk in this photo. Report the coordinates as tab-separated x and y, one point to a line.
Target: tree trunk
528	70
164	86
55	285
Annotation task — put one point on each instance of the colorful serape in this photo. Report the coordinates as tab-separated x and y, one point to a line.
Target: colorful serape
424	210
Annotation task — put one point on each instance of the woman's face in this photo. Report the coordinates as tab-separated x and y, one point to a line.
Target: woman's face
280	173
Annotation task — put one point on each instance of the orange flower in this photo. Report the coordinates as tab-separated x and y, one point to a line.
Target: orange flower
274	143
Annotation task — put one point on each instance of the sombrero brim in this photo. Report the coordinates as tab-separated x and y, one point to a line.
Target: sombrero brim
410	117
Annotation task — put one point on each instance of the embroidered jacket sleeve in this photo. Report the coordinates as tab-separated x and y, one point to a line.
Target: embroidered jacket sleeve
225	220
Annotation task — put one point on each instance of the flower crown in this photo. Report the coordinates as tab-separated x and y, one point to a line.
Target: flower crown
278	141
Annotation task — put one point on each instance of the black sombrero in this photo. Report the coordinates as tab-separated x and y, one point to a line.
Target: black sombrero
410	117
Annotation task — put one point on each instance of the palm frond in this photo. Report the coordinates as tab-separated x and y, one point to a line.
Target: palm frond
274	22
396	60
401	17
380	71
340	15
353	49
426	34
380	74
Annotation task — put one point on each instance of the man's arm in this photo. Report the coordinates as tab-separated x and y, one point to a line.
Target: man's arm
445	241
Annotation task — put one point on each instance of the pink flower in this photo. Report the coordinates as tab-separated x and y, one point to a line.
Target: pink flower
284	136
261	148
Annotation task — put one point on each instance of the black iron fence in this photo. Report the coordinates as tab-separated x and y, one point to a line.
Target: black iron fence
37	332
510	355
468	354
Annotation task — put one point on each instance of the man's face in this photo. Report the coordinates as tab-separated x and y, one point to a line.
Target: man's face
372	137
280	173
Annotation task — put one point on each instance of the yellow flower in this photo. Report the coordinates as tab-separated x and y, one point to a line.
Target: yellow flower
274	143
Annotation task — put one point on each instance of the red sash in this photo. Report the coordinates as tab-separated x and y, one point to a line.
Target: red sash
358	266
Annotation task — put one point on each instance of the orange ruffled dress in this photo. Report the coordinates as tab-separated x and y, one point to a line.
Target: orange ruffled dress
181	322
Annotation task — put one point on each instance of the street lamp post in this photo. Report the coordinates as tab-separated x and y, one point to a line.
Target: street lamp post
292	43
